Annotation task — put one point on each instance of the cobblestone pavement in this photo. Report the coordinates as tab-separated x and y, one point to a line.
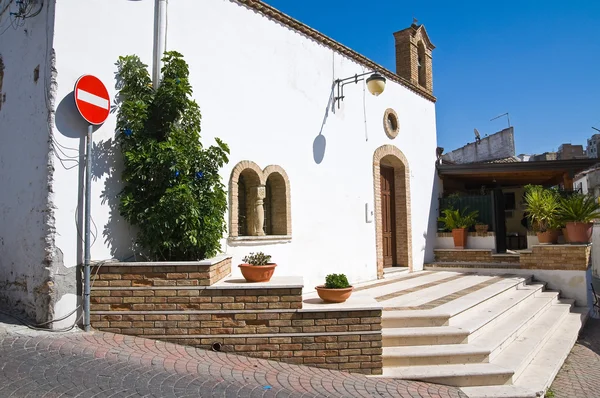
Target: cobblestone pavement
579	377
77	364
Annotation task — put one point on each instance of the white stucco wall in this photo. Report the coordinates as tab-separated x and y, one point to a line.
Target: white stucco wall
24	171
581	182
264	89
473	242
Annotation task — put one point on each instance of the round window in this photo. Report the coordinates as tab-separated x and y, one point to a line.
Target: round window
390	123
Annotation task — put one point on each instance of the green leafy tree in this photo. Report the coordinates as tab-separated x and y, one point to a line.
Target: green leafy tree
173	192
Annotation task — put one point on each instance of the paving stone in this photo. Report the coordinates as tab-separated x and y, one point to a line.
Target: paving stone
579	376
38	364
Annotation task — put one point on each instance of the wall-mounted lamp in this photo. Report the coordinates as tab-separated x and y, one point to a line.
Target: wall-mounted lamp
375	84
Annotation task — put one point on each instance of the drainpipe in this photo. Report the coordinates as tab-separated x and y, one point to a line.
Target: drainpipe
160	39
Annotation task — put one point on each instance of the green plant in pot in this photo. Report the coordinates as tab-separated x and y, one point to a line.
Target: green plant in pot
578	212
257	267
336	289
459	223
543	212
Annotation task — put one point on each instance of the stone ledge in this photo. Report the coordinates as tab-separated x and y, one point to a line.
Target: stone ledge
209	261
276	282
254	240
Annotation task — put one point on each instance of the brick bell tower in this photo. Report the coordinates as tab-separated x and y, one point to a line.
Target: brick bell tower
413	56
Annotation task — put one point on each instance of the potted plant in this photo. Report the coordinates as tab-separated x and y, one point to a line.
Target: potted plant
542	210
257	267
481	228
459	223
336	289
579	211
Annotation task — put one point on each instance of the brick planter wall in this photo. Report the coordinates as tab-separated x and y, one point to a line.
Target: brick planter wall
344	340
188	273
472	255
257	320
558	257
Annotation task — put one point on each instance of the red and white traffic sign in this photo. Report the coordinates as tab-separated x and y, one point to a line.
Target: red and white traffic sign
92	99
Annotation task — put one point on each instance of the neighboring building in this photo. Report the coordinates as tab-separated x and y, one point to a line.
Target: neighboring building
543	157
264	82
568	151
499	145
593	146
588	181
524	158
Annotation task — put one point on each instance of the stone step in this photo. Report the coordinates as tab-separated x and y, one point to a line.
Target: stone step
462	264
500	392
526	347
410	281
542	370
434	355
473	374
442	289
498	335
441	315
538	374
484	316
393	337
473	352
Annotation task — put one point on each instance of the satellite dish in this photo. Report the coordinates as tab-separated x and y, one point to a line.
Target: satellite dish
477	136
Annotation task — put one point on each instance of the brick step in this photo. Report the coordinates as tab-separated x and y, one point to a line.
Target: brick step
229	294
180	273
474	265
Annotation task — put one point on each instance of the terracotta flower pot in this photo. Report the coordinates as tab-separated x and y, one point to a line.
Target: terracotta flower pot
580	232
257	273
549	237
460	237
482	228
334	295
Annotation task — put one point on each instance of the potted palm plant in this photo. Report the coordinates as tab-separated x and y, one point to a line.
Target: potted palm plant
459	223
336	289
257	267
579	211
542	210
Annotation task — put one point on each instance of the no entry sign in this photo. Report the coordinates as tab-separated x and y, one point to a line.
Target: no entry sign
92	100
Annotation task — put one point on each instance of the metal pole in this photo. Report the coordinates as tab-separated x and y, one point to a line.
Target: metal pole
87	217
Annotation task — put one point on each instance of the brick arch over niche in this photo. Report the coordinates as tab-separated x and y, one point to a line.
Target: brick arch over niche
391	157
259	201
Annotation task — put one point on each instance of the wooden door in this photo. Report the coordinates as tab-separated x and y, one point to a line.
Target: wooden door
388	213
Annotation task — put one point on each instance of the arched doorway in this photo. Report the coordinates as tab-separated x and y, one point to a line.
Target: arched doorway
391	179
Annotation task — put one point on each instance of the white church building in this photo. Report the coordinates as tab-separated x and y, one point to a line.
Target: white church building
345	182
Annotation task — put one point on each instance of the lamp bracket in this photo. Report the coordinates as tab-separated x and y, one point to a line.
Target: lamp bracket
340	83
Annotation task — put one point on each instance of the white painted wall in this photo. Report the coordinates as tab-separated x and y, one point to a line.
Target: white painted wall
532	240
473	242
24	113
264	90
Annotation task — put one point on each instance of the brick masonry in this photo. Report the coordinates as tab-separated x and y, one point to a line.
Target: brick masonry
254	320
472	255
201	273
281	216
470	234
558	257
552	257
392	156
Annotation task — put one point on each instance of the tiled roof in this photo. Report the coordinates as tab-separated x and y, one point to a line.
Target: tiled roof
273	13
